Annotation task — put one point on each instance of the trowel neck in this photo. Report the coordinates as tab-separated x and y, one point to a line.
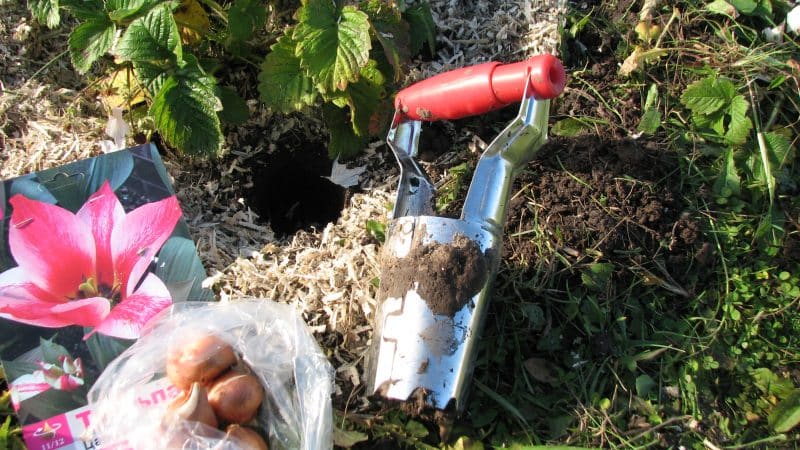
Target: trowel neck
490	189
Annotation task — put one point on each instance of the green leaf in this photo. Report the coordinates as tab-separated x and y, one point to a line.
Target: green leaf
333	44
422	28
786	414
283	84
722	7
535	315
153	37
740	125
465	443
85	9
728	183
416	429
364	96
51	351
652	96
644	385
391	31
244	18
74	183
377	230
779	148
650	121
45	11
89	41
744	6
178	263
574	126
597	275
29	187
151	76
347	438
705	96
120	10
234	108
51	402
105	349
772	384
343	142
185	112
5	433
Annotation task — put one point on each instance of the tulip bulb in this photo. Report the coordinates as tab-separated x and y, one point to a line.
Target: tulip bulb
236	397
200	360
245	437
193	406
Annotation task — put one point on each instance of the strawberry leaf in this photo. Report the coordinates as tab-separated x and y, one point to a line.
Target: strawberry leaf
85	9
234	108
333	44
728	183
153	37
89	41
740	125
283	84
45	11
705	96
423	28
391	31
185	111
151	76
244	18
343	143
120	10
364	96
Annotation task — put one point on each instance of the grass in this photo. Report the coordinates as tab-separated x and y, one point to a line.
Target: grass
611	351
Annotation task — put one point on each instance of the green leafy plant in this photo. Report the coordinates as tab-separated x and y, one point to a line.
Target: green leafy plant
346	54
718	111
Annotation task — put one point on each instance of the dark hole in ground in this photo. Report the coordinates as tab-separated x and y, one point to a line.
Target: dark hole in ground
290	192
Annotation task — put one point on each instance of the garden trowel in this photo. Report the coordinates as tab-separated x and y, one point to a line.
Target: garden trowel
437	272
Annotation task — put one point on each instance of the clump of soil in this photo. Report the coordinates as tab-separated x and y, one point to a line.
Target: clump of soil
446	276
606	196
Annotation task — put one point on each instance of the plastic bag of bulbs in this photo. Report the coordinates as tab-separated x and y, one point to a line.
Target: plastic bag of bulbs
244	374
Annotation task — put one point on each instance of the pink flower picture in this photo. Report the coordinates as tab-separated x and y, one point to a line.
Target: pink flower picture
88	268
67	375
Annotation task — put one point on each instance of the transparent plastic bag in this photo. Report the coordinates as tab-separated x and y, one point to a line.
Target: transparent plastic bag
130	397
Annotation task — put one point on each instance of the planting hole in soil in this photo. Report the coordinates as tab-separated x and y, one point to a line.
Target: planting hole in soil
290	191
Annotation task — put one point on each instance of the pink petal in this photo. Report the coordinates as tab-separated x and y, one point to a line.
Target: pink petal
68	383
136	240
52	245
27	386
22	301
128	318
101	212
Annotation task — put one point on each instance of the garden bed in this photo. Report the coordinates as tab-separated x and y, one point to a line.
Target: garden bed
609	323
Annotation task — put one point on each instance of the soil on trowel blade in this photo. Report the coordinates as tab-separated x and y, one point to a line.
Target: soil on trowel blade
446	276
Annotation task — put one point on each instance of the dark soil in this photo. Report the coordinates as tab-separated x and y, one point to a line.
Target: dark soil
605	196
446	276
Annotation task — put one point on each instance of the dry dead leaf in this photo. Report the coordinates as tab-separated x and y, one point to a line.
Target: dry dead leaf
541	370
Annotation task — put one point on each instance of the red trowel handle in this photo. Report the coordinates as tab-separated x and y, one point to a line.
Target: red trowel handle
479	89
